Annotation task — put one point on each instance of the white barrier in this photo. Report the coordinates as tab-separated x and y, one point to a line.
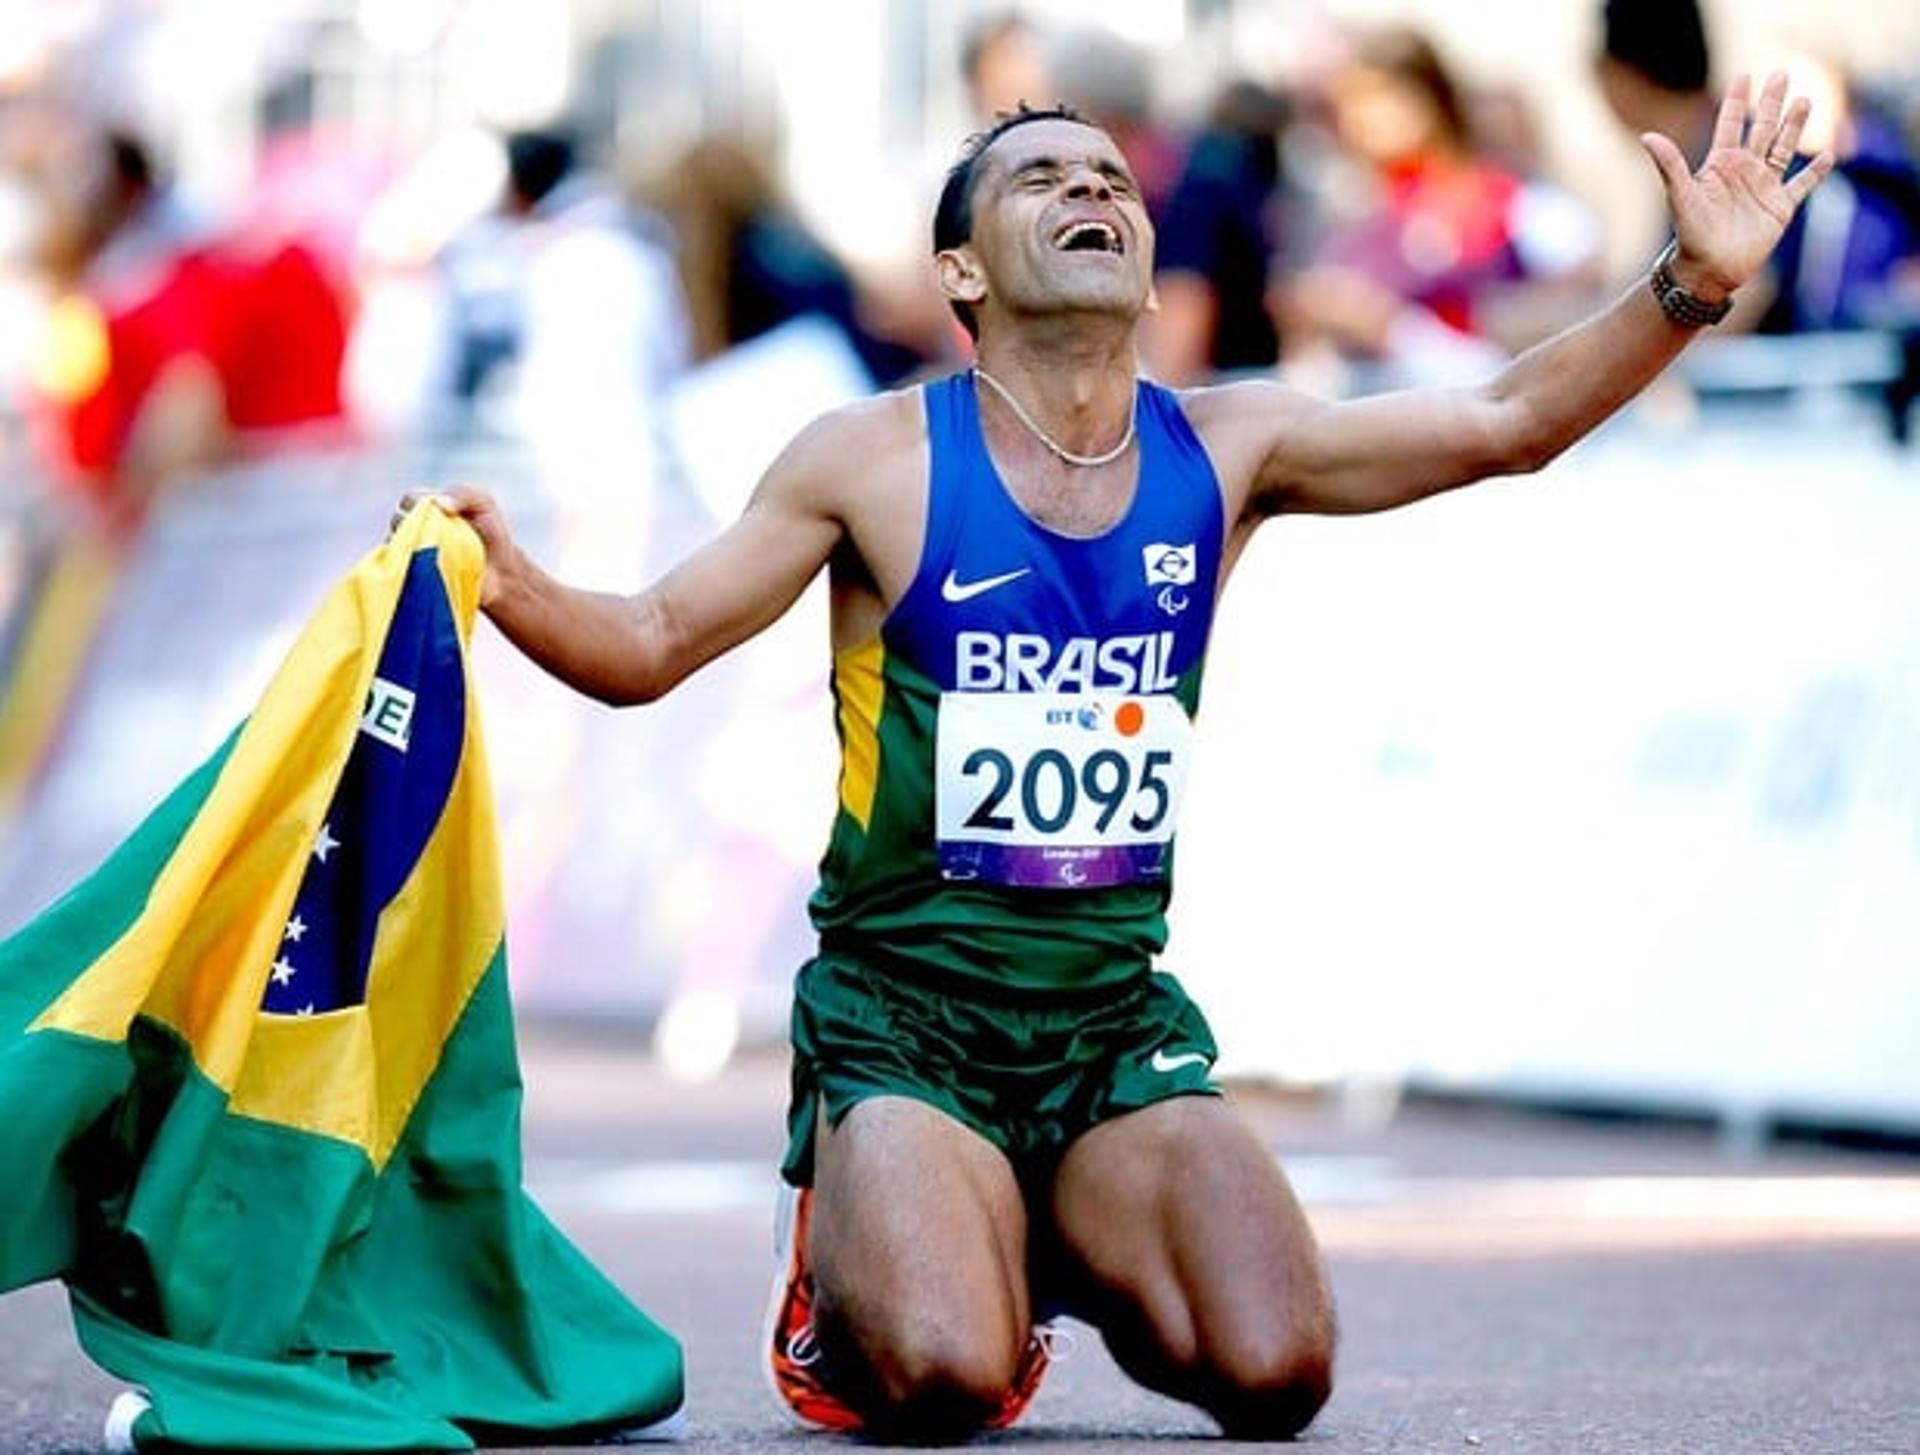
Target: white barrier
1604	784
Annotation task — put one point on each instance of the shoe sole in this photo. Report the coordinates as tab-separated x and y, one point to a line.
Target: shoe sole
127	1407
785	1215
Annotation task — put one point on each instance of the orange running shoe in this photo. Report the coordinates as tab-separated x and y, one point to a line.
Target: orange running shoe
1026	1377
793	1352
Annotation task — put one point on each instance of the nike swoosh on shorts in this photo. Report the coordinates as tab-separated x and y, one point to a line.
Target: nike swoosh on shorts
954	589
1163	1062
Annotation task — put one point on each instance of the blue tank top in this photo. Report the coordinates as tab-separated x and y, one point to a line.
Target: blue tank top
1014	741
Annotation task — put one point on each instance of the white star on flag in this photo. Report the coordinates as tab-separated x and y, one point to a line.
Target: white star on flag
306	1009
282	971
296	927
325	844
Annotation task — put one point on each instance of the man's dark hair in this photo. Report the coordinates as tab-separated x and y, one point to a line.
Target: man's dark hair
953	216
1664	40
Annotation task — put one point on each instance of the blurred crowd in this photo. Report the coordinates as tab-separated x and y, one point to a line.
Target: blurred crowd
634	333
1370	220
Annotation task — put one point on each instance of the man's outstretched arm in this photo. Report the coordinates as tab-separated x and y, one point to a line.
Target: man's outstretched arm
632	649
1375	453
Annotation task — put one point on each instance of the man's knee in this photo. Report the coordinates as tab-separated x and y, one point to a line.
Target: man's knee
1272	1393
924	1384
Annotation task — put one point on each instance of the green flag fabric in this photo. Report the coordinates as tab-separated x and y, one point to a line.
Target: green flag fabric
259	1095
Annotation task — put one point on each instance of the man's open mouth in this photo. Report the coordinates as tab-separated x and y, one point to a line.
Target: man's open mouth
1089	237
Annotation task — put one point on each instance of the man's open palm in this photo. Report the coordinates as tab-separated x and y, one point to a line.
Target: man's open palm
1729	215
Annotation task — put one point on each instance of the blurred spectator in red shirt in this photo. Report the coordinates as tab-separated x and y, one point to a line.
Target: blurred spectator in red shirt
1443	226
167	346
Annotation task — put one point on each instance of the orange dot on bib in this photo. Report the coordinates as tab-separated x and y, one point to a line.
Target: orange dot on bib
1129	718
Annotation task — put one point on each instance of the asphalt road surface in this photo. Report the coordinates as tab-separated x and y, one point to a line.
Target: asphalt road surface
1506	1282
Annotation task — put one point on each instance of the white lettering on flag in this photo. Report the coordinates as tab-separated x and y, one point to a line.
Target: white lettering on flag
389	714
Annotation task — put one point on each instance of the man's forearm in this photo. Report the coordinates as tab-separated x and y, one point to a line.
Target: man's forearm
608	646
1559	390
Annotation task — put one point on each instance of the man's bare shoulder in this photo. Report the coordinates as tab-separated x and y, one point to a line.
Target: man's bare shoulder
864	467
1248	404
848	452
1245	424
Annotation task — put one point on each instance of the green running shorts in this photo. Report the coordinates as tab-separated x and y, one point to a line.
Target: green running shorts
1028	1074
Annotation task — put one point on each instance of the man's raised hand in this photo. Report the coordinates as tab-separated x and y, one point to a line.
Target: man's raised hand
1729	215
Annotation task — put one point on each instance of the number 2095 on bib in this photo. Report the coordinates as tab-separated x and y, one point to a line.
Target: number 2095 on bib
1058	790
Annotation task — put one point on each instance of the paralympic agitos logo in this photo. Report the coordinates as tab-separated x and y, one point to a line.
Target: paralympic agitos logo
1169	567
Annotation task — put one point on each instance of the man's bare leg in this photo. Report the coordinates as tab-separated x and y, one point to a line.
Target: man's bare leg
1199	1267
918	1248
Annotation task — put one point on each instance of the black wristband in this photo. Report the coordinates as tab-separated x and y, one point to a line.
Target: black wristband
1676	302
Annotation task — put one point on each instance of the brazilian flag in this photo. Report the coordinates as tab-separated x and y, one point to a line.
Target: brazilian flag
259	1097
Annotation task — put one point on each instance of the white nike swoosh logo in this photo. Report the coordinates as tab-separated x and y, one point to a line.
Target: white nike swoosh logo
953	589
1163	1062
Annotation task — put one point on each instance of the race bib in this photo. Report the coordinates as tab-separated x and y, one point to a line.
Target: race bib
1058	790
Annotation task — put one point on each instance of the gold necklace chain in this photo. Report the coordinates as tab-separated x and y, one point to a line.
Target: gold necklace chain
1083	461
